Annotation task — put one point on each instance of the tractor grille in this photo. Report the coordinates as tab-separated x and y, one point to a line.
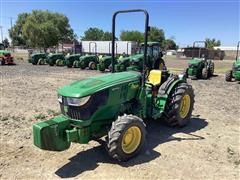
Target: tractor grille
85	111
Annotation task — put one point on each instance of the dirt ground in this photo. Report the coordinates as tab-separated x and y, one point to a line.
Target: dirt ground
208	148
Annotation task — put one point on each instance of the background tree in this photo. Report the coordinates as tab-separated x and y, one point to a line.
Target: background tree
42	29
169	44
16	32
212	42
131	36
156	35
107	36
6	43
93	34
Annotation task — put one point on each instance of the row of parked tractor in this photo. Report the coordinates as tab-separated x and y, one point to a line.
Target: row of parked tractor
198	67
90	61
101	62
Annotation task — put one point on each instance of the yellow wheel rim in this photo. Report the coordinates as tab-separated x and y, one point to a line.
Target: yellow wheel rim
131	139
185	106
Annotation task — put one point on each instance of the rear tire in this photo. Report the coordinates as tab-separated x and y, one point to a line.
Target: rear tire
179	105
228	76
126	137
204	73
92	65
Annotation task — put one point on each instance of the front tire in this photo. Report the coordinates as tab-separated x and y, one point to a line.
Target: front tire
204	73
211	69
179	105
126	137
228	76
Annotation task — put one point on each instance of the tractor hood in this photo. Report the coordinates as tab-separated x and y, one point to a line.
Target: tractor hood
136	57
194	61
237	63
4	52
91	85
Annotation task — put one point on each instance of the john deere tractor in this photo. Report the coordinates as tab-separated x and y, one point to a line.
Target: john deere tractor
5	56
71	60
154	57
115	106
89	61
200	67
235	72
38	59
105	63
57	59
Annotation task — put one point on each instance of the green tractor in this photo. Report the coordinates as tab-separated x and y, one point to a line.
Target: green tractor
38	59
57	59
71	60
105	63
235	72
199	67
89	61
154	57
122	64
115	106
5	56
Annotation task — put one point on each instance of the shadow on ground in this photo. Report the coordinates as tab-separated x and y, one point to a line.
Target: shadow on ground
157	134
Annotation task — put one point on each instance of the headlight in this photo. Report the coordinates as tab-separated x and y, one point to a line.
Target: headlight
60	99
77	101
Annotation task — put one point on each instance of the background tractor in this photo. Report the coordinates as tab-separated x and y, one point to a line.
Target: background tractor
235	72
200	67
154	57
72	59
89	61
38	59
5	56
115	106
57	59
105	62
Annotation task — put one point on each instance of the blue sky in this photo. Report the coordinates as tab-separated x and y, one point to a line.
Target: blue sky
184	20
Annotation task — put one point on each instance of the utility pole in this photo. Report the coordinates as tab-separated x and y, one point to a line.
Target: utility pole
1	33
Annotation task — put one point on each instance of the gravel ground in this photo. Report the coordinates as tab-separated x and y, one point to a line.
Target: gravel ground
208	148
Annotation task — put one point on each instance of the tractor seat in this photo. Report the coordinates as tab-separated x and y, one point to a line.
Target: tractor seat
155	77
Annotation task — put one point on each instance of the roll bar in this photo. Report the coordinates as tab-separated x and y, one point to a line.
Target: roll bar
199	53
145	37
237	50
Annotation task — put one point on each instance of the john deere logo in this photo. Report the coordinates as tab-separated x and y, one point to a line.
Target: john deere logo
65	108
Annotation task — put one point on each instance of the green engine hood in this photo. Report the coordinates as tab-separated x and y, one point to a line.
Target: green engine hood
91	85
237	63
136	57
195	61
3	52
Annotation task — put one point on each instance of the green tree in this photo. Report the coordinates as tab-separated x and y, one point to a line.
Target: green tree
107	36
210	43
169	44
42	29
132	36
157	35
6	43
16	32
93	34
